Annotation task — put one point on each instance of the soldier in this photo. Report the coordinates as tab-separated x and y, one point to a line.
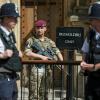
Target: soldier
10	61
44	43
91	54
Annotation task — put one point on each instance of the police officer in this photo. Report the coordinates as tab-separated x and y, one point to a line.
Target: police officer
44	42
91	54
8	20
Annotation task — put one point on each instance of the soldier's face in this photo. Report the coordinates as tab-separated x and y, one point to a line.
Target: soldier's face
41	30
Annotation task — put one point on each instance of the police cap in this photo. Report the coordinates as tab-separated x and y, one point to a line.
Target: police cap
94	11
9	9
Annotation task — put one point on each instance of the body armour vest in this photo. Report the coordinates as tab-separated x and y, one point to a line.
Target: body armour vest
94	51
12	63
94	47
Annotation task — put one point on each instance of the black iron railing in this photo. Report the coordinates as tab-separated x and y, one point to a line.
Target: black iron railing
66	83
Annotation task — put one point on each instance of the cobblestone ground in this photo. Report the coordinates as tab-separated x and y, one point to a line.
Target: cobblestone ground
56	95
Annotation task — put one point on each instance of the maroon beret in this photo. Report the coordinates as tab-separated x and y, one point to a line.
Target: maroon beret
40	23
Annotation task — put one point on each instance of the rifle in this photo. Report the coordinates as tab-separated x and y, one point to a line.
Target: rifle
46	52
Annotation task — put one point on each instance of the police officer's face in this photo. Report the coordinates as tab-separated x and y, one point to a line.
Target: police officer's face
40	30
10	22
96	24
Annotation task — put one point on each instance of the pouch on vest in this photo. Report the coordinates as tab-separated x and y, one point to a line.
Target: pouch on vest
12	63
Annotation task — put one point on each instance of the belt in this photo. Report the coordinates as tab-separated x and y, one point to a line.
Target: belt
4	75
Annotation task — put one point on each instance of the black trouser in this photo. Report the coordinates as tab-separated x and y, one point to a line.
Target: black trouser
92	88
8	87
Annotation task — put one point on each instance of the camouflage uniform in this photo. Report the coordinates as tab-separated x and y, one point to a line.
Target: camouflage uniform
38	74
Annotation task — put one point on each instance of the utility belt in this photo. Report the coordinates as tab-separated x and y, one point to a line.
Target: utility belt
5	75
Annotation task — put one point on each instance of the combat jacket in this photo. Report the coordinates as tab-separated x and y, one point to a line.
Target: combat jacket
47	43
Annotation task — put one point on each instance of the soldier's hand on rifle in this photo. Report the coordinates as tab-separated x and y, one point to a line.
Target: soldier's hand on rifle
45	58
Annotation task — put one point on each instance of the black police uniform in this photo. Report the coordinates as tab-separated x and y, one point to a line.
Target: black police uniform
92	89
8	87
9	66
